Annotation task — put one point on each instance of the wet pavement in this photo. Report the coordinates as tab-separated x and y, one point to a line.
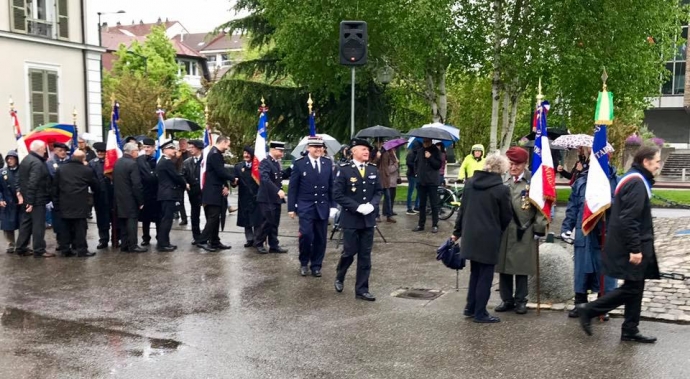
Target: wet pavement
238	314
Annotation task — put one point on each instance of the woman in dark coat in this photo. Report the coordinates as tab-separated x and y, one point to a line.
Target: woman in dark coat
248	215
9	211
484	214
629	250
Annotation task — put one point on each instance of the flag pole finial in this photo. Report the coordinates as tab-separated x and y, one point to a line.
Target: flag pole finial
604	77
74	116
112	99
310	102
11	104
206	115
158	102
540	96
263	102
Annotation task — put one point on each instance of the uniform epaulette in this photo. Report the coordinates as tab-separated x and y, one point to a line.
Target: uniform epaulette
326	156
371	164
343	164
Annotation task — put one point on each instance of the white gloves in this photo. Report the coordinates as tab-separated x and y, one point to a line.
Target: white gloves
567	237
333	212
365	209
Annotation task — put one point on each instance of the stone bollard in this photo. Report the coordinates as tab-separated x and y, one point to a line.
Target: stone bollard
556	274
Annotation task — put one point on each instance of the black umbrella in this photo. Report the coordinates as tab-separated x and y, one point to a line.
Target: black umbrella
378	131
530	145
179	125
431	132
552	134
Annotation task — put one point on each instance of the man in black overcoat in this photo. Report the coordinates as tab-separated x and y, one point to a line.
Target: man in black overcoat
103	196
357	190
270	198
629	250
129	197
248	216
190	172
72	184
212	195
171	186
151	211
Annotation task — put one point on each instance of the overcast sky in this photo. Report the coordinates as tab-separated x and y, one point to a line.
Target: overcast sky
195	15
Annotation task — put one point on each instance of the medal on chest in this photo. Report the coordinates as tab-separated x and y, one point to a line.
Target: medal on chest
525	203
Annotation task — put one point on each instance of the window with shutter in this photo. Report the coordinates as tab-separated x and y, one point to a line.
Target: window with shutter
44	97
62	20
18	14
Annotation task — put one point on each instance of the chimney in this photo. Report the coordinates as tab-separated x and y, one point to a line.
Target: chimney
159	21
166	20
132	22
119	24
141	22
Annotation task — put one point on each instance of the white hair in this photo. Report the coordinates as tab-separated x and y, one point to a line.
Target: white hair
130	147
496	163
36	145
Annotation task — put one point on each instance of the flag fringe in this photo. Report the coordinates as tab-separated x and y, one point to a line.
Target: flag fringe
593	219
540	209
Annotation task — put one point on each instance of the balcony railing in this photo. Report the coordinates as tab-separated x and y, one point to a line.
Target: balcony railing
40	28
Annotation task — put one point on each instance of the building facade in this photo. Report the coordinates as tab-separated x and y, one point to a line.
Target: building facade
49	68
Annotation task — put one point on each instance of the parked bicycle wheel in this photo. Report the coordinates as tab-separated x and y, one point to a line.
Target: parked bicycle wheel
446	198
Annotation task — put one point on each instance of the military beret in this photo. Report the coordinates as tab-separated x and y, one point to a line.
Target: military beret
360	142
517	155
199	144
277	145
99	146
148	142
60	145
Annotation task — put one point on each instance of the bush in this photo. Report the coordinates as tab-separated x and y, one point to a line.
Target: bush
658	141
633	141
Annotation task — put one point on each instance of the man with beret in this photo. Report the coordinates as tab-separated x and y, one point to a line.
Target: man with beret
147	171
103	196
311	197
190	173
170	193
357	190
517	258
248	216
270	198
59	159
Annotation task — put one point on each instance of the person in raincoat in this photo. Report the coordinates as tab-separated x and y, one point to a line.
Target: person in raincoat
472	162
9	207
518	257
588	265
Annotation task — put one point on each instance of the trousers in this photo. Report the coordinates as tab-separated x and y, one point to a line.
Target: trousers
211	233
75	228
411	186
481	276
195	203
269	226
429	193
32	225
389	200
168	208
357	242
505	285
630	295
312	241
128	232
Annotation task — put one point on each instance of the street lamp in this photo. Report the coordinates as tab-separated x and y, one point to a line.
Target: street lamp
385	75
99	23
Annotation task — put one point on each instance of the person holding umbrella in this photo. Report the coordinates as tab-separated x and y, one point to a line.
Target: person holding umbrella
427	166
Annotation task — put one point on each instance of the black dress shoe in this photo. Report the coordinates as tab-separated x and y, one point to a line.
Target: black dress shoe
574	313
418	228
365	296
339	285
249	244
303	270
278	250
521	308
183	223
585	320
68	254
145	243
637	337
138	249
165	249
206	247
195	242
86	255
505	306
467	313
102	245
261	250
434	229
316	273
488	320
220	246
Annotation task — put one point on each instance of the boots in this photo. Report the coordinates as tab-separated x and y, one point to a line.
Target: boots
580	298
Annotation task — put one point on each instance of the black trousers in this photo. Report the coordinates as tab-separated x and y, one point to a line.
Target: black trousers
128	232
428	193
312	241
630	295
481	276
196	215
181	208
168	208
210	234
505	285
103	218
61	232
250	233
389	201
75	228
357	242
269	226
32	225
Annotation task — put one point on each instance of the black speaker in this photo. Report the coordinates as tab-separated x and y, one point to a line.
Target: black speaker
353	43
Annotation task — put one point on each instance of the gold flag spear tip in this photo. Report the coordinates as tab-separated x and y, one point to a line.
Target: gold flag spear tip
11	104
74	116
309	103
540	96
263	101
158	102
604	77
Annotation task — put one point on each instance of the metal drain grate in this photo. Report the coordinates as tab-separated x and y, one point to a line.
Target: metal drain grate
417	293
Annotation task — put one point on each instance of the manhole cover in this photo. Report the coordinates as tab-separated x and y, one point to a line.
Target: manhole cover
417	293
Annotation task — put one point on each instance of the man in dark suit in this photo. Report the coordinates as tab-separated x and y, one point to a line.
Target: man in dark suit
103	196
248	216
179	158
190	172
151	211
310	195
358	191
629	250
129	197
213	190
171	185
72	184
270	198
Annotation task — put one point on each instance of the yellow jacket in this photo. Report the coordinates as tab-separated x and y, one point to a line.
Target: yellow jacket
470	164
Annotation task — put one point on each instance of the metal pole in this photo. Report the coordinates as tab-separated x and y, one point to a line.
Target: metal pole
683	179
538	280
352	105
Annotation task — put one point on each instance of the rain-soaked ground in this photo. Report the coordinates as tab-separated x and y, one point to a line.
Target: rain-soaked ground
238	314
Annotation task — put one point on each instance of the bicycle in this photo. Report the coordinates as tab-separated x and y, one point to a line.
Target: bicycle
449	200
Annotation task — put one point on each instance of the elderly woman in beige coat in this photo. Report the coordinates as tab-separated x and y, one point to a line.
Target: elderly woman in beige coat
389	172
518	258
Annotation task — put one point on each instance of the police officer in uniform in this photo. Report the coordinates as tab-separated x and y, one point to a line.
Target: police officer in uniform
171	186
103	198
59	159
358	191
190	172
311	197
147	171
270	197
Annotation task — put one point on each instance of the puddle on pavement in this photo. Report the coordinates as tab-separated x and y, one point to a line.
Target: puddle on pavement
43	330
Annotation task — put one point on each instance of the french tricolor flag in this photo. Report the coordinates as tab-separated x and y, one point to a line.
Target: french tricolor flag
260	143
542	189
598	191
113	149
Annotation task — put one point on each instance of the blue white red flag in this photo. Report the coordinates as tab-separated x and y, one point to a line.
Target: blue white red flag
22	151
208	144
260	143
113	148
161	134
542	189
598	190
312	125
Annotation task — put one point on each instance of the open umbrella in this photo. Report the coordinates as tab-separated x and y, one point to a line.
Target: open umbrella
51	133
530	144
432	133
332	145
573	141
552	134
392	144
455	132
378	131
177	124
